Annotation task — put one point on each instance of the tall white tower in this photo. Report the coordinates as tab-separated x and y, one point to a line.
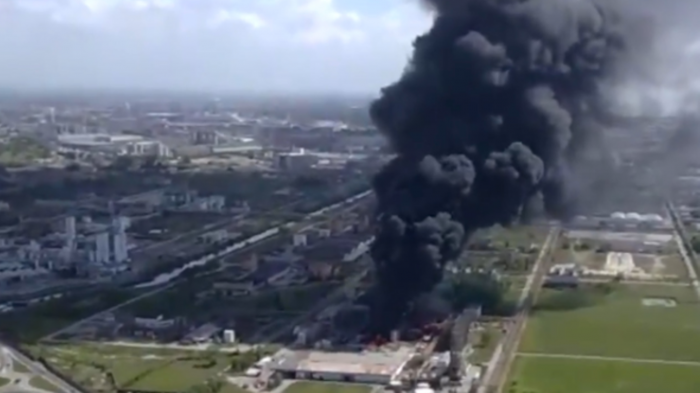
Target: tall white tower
34	253
121	252
69	246
102	248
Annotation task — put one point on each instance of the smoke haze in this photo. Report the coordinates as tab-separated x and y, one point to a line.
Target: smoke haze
670	82
497	112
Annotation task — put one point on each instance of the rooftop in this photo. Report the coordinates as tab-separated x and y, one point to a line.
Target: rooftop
380	362
637	237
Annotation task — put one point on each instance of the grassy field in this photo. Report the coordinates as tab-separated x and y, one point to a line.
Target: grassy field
168	376
326	387
674	265
485	342
139	368
548	375
616	324
43	384
4	381
19	367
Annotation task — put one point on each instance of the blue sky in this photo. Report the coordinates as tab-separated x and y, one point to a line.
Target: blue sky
233	45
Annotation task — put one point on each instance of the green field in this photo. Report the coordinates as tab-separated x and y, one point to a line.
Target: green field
4	381
485	342
556	375
326	387
168	376
43	384
140	368
615	324
19	367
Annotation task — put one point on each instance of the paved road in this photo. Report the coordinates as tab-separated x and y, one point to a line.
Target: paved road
21	380
688	255
497	370
631	282
300	226
606	358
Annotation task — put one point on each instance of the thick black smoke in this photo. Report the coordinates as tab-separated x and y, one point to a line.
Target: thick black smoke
489	118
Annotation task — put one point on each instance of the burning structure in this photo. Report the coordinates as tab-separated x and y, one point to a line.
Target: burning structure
494	119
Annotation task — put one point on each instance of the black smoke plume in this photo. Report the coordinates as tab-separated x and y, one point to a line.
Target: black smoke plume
489	119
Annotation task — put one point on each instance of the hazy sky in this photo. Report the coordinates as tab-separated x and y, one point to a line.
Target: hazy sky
306	45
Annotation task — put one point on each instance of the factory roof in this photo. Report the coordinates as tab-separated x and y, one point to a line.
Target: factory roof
97	139
637	237
381	362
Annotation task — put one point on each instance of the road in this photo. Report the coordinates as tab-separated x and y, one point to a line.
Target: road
21	379
606	358
497	370
260	245
632	282
681	239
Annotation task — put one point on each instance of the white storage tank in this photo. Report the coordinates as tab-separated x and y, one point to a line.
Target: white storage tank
300	240
229	336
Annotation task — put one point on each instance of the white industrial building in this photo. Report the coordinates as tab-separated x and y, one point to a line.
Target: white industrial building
296	160
90	249
111	244
113	143
372	367
188	200
147	148
622	220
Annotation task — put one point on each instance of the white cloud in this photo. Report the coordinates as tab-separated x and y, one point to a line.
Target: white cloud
226	44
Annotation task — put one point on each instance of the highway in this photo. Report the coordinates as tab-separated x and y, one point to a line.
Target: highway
21	380
497	371
266	243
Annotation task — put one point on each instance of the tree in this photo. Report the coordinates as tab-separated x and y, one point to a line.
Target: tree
485	339
476	289
695	243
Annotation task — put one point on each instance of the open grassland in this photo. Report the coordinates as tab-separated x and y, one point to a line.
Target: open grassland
611	320
326	387
43	384
149	369
555	375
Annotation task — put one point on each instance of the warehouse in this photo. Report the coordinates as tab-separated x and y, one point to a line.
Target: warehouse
374	367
